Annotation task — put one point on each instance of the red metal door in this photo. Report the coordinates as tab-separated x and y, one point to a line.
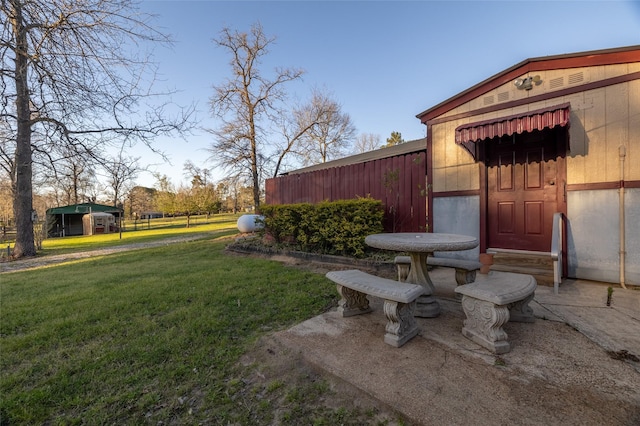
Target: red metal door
522	196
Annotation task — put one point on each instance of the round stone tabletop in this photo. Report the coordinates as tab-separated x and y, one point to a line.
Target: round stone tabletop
421	242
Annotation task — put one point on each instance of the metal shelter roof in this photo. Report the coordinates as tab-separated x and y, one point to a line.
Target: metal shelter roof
83	208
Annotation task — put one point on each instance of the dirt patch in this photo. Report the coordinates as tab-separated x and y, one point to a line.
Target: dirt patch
320	395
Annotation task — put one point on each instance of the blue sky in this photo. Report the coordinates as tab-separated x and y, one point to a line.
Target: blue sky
383	61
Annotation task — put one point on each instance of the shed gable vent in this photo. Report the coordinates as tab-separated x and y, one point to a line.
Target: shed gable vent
576	78
556	82
488	100
504	96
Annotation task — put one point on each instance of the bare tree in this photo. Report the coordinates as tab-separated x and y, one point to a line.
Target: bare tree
203	192
327	139
199	176
366	142
293	127
228	191
6	209
121	172
76	177
70	77
70	180
301	127
245	103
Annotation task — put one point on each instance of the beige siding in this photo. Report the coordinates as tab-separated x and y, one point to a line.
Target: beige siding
601	121
438	165
595	133
617	126
632	160
552	80
609	119
453	167
578	146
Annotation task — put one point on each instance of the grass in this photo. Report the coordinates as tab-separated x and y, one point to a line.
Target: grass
147	231
155	335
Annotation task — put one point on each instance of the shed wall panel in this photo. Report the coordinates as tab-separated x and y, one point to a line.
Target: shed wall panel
578	147
617	128
398	181
632	161
366	179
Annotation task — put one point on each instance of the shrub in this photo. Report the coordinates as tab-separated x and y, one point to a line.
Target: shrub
330	227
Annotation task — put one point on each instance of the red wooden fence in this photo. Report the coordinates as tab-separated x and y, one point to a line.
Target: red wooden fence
399	181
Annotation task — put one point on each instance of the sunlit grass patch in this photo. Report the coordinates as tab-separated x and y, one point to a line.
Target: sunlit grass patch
135	336
145	231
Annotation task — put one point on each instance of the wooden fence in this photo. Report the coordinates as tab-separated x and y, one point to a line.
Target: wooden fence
399	181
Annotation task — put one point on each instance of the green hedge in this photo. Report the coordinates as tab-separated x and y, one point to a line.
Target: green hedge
336	227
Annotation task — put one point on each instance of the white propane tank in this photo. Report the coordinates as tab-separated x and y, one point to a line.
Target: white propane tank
247	222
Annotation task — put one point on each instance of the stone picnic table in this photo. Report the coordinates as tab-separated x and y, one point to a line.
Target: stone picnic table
421	245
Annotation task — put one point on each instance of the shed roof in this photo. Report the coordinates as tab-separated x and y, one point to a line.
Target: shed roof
386	152
82	208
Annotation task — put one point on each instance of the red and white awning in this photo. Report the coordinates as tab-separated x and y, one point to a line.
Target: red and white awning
468	135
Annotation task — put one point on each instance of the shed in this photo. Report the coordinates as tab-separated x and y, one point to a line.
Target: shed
556	136
151	215
68	220
395	175
98	223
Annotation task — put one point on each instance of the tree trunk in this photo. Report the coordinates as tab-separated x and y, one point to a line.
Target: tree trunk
23	200
254	163
256	190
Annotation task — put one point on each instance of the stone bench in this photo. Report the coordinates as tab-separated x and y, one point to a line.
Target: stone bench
490	302
465	269
399	301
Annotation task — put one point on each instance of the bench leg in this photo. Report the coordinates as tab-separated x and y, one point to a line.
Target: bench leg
484	324
401	325
521	311
353	302
464	276
403	271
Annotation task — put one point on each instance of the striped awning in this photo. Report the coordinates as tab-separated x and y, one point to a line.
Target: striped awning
468	135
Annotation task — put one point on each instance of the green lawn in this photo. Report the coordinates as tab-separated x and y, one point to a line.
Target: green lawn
153	335
146	231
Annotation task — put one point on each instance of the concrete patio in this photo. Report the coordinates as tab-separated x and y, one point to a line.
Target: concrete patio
577	364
